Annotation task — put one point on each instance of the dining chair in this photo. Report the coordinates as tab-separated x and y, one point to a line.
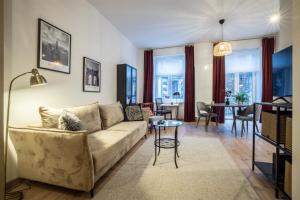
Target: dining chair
161	110
205	111
147	108
246	115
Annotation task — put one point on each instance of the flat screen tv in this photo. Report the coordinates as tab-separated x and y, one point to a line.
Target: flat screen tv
282	73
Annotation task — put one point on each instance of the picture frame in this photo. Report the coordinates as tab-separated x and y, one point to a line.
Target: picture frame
54	48
91	75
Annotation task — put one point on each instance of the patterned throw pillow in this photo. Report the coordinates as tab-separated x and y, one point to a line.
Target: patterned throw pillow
134	113
69	121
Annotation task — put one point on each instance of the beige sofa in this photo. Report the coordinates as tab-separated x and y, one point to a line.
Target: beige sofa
75	160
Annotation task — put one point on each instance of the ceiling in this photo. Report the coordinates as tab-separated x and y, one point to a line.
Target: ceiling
165	23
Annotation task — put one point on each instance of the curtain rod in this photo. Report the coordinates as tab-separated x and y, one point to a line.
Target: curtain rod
168	47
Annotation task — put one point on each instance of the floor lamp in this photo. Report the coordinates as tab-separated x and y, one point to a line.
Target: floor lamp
35	80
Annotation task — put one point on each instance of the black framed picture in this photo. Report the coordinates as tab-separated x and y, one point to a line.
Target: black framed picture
91	75
54	48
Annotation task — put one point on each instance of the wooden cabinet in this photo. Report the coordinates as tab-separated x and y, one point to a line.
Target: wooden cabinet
126	84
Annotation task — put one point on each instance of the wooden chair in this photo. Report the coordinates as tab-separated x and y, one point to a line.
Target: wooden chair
247	116
161	110
148	107
206	111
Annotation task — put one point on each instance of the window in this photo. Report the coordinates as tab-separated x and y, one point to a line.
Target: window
169	77
243	74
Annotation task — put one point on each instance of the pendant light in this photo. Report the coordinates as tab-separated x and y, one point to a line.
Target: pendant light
222	48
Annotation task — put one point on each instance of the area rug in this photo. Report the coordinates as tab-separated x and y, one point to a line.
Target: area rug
206	172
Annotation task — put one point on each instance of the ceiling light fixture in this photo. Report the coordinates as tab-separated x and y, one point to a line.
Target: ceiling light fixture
222	48
274	18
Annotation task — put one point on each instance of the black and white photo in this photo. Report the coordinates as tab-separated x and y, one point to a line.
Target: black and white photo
54	48
91	75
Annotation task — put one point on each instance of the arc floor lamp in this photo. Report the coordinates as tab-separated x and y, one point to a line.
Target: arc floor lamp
35	80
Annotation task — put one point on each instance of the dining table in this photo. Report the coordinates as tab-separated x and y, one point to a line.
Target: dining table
172	106
233	107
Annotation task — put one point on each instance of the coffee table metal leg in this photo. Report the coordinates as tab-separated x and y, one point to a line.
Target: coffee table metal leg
158	140
176	153
155	146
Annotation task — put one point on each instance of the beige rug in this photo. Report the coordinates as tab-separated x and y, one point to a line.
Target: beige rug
206	172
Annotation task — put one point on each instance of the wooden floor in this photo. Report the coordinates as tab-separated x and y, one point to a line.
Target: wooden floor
240	148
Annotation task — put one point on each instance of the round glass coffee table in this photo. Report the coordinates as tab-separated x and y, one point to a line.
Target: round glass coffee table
166	142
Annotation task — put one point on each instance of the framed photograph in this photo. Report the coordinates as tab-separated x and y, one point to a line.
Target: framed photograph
54	48
91	75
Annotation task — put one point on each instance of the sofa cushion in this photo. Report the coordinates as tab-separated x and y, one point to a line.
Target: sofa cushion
111	114
88	114
108	146
49	116
128	126
134	113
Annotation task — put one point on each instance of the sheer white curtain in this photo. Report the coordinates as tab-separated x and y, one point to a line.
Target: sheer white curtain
245	65
168	77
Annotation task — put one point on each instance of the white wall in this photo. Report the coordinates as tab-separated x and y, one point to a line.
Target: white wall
92	36
246	44
203	72
140	76
285	34
296	97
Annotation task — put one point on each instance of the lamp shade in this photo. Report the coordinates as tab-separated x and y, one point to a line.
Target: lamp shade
222	49
36	78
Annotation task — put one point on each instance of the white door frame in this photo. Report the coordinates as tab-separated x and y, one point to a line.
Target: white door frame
1	99
296	100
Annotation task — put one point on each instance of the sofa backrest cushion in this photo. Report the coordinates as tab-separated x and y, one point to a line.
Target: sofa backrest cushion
111	114
88	114
49	116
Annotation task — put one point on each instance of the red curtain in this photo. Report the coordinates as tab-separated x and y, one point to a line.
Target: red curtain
189	97
148	76
267	52
219	84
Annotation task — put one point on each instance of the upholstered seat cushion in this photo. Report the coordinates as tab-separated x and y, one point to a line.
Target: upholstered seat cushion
245	118
205	114
108	146
88	114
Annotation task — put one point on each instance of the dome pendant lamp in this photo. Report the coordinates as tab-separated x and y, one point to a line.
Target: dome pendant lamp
222	48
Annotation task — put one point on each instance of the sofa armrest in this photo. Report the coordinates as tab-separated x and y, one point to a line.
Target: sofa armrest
54	156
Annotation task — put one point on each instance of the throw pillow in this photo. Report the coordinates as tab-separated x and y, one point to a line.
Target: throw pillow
49	116
134	113
69	121
111	114
88	114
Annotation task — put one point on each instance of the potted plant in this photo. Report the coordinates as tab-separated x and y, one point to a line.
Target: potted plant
241	97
